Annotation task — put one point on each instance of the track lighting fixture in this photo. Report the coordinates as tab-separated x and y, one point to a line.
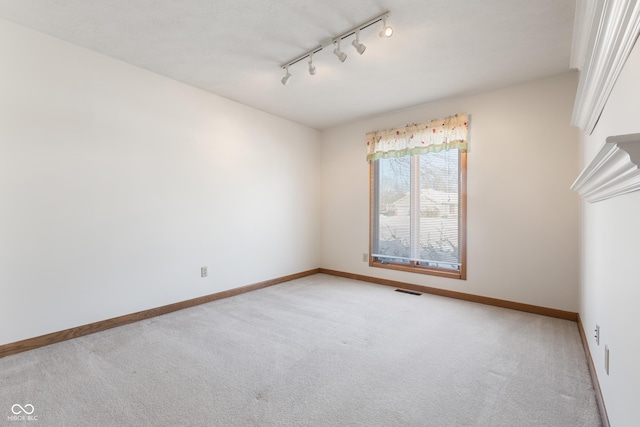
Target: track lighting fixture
312	68
387	31
360	48
286	78
340	54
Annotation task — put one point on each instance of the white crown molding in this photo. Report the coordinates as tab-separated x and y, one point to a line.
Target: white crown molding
614	28
613	171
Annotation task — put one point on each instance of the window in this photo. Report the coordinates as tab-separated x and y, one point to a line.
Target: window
418	198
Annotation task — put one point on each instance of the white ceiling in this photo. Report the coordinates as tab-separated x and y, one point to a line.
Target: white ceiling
234	48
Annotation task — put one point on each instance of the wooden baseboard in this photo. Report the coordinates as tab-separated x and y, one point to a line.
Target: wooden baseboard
594	376
55	337
32	343
551	312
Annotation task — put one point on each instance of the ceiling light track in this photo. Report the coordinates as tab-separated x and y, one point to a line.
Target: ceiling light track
386	31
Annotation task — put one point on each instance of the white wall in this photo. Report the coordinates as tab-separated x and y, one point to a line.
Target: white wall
611	261
523	228
117	185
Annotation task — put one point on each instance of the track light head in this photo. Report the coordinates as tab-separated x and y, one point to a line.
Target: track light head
387	30
286	78
360	48
340	54
312	68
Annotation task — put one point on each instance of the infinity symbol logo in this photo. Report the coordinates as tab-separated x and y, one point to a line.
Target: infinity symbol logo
27	409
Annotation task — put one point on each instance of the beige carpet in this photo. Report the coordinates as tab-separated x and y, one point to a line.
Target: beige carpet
318	351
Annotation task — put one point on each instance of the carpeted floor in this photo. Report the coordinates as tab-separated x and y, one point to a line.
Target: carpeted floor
318	351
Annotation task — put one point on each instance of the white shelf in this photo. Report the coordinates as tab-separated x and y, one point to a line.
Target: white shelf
613	171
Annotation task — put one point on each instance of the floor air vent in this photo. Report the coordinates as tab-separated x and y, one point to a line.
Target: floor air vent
408	292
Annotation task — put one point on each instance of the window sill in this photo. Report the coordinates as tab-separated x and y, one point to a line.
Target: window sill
432	271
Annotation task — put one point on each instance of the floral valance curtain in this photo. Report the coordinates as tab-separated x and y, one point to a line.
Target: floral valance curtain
437	135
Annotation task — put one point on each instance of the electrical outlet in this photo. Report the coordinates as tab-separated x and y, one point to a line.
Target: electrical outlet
365	257
597	335
203	271
606	359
